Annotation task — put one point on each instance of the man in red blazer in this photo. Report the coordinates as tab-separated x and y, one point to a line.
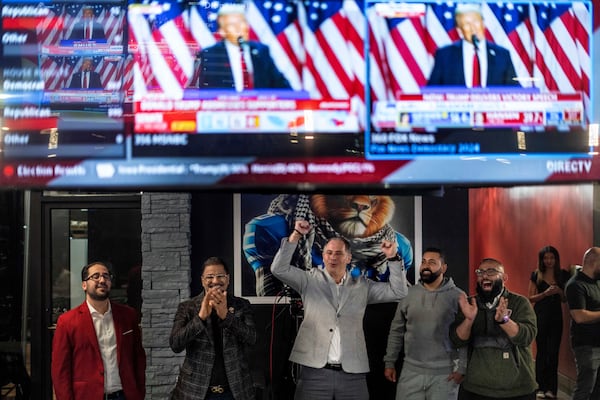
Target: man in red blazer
97	350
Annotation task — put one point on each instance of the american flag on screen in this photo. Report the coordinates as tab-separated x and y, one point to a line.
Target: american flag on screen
59	23
49	33
278	26
318	45
164	56
548	42
562	53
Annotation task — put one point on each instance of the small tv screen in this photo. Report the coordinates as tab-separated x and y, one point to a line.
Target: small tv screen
63	67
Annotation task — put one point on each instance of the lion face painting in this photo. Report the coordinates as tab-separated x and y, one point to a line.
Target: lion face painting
362	219
354	216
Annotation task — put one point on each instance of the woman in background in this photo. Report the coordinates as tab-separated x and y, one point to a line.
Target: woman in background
546	294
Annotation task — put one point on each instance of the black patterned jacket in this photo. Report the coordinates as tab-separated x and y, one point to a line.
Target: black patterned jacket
195	336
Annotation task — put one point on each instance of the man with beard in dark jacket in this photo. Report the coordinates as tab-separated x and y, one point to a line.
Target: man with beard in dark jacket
498	327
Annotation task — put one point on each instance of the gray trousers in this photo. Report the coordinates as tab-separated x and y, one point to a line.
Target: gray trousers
587	361
327	384
414	385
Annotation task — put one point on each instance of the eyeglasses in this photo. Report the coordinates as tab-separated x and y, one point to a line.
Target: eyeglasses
487	272
96	277
212	277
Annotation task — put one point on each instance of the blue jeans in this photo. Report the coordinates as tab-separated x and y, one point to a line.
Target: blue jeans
587	361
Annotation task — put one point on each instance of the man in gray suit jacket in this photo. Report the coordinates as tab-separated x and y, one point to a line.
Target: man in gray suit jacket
215	329
330	344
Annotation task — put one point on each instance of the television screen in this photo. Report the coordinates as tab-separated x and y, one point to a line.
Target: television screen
479	78
62	76
258	94
242	79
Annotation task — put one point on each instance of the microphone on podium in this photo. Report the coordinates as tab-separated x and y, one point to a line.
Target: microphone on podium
475	40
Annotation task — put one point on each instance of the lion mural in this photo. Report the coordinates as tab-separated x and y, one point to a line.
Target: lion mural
362	219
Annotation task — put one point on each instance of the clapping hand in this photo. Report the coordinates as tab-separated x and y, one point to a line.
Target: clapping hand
214	299
502	310
468	306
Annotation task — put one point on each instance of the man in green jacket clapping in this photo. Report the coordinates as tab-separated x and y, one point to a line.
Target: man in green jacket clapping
499	327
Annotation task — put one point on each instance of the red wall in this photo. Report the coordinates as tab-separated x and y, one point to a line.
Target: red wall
512	224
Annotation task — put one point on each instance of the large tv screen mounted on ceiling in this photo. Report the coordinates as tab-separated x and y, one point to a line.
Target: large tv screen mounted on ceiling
261	94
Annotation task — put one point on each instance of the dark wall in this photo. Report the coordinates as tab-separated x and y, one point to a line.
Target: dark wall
11	261
445	225
212	232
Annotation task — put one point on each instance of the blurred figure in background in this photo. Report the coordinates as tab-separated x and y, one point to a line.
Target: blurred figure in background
583	296
546	293
86	78
87	28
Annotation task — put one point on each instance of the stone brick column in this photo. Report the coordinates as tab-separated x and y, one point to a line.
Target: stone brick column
166	246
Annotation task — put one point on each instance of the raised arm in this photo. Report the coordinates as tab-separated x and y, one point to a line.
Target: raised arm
282	268
397	287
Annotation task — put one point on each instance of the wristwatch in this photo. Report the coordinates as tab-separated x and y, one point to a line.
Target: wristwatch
395	258
505	319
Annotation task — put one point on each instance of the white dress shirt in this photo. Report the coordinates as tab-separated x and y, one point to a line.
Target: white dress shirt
468	50
85	84
105	332
235	61
335	346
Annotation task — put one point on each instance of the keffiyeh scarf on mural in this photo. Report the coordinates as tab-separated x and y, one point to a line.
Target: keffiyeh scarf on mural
366	252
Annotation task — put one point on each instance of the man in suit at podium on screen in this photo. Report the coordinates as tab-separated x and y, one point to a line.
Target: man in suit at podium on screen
472	61
88	28
236	62
86	78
